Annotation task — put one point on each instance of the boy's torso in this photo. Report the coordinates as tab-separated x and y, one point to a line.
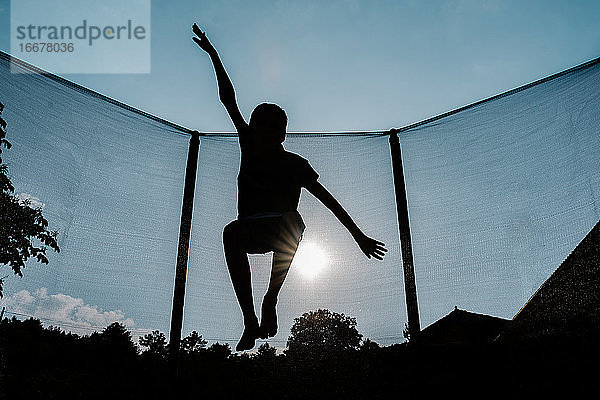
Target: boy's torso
270	182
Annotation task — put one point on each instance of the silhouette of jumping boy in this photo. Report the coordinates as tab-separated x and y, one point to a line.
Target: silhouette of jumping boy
269	184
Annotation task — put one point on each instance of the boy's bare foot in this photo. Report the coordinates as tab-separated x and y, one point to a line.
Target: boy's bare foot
268	321
248	339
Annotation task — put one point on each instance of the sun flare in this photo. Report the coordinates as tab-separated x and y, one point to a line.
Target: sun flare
310	259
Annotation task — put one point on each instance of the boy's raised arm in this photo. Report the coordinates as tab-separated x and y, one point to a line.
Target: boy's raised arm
226	90
369	246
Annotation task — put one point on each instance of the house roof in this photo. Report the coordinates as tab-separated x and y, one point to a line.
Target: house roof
462	326
568	304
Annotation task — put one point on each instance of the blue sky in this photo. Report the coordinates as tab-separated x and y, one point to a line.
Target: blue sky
338	65
349	65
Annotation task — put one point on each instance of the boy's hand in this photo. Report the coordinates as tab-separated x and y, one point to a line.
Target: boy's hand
201	40
371	247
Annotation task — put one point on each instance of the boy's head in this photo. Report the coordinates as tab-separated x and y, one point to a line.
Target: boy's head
269	122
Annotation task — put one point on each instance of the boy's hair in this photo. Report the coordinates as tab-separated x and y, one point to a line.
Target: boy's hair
269	114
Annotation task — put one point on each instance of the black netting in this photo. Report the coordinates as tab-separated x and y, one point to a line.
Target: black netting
498	195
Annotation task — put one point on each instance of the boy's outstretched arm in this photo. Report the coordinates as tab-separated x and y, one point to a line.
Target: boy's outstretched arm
226	90
370	247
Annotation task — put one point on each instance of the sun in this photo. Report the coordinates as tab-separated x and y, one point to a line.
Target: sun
310	259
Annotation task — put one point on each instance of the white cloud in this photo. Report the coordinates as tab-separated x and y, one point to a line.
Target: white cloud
69	313
34	202
23	297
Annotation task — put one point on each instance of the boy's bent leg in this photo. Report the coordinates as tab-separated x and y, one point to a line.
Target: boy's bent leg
279	270
287	244
234	237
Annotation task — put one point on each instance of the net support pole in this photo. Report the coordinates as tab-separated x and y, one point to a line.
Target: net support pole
182	252
410	287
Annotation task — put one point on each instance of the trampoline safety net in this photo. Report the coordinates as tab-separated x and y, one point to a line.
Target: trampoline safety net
498	195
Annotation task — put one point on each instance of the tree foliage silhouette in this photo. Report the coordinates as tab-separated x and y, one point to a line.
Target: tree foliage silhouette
155	344
23	230
113	346
321	333
193	344
218	351
266	352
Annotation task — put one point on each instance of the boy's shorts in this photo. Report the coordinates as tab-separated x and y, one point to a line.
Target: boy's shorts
278	232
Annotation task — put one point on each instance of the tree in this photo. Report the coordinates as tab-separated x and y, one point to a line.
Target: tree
322	333
193	344
219	352
369	346
266	353
155	343
23	230
113	347
117	335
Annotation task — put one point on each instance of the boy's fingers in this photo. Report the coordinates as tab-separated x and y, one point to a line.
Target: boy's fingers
196	28
378	245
